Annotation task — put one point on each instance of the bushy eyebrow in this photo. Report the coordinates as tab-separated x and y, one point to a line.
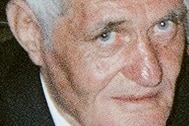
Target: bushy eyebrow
176	15
112	25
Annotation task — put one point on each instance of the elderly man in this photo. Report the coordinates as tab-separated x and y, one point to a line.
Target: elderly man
104	62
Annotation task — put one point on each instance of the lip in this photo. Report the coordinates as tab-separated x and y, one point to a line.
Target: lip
137	103
135	98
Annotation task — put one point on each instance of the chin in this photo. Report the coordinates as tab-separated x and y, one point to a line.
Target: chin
147	111
156	117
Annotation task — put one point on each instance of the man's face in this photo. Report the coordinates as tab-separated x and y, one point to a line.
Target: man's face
115	63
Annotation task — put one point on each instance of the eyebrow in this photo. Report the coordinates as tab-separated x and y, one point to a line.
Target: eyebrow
103	26
112	25
176	15
109	23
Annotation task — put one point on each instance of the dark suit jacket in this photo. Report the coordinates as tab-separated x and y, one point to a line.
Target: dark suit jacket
180	111
22	101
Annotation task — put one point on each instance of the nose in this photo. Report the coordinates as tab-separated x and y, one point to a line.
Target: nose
144	68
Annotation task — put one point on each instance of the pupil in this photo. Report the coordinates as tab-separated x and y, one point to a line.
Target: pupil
162	24
104	35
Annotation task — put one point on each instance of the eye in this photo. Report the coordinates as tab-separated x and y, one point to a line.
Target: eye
163	26
163	31
106	37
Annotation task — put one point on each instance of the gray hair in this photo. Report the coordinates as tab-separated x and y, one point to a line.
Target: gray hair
46	12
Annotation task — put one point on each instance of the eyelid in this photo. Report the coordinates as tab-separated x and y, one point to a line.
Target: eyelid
92	34
176	15
172	19
163	19
111	26
108	40
104	30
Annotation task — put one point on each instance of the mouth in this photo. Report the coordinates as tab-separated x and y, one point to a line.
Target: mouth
133	103
135	98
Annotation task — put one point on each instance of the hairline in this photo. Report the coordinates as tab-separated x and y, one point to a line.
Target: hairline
46	12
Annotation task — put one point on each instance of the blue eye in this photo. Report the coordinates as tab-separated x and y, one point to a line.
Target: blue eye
106	37
163	25
163	30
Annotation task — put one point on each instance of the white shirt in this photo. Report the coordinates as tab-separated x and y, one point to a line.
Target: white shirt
57	117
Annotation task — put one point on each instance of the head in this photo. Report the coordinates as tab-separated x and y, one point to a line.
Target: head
105	62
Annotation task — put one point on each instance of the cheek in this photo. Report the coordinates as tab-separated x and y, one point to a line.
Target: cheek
92	73
171	58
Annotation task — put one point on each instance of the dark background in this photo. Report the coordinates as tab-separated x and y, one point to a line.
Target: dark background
14	62
5	33
22	100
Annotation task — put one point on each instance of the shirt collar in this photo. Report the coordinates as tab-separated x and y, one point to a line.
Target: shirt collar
58	119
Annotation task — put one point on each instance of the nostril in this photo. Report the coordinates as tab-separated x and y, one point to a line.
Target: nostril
144	67
146	71
142	75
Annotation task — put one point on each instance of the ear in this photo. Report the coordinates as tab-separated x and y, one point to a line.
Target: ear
25	28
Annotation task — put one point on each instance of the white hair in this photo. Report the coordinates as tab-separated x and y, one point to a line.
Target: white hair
46	12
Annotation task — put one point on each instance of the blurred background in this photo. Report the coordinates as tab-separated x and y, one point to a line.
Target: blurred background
5	33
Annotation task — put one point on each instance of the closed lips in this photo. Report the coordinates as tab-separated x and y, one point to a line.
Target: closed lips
135	98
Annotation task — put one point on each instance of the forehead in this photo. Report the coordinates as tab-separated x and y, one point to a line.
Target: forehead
93	10
130	2
149	7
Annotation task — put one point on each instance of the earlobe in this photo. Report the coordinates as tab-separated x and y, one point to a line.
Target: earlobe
25	28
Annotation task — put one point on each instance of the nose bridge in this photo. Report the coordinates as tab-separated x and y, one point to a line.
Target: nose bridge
145	68
150	67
